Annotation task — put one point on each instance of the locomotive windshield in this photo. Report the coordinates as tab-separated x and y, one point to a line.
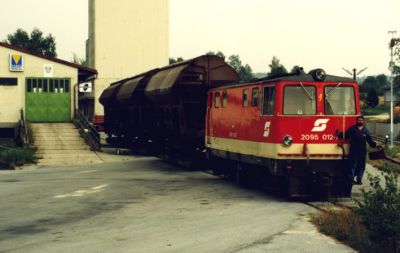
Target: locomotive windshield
339	101
299	100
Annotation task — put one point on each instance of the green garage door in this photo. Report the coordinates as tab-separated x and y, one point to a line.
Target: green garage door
48	100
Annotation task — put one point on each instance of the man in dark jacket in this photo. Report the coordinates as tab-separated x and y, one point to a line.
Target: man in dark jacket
359	137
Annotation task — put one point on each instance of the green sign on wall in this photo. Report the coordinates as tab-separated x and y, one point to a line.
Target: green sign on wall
48	100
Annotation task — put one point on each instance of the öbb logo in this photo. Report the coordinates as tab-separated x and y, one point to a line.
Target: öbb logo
320	125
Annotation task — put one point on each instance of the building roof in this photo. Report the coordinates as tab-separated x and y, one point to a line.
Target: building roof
73	65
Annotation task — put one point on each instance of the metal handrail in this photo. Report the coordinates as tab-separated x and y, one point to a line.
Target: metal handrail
89	132
23	131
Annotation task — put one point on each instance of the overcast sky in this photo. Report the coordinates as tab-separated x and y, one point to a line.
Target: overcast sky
330	34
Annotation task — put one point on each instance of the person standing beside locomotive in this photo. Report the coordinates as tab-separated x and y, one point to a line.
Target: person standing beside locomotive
359	137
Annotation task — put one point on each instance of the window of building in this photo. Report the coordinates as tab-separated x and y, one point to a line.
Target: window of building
34	85
269	101
40	85
52	85
245	97
339	101
8	81
299	100
29	85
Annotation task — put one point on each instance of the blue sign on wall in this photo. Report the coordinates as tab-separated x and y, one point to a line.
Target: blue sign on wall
16	62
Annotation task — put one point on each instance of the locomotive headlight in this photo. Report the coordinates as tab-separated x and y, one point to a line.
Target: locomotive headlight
287	140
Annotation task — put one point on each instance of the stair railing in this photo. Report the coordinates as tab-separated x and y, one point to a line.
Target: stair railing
23	131
88	131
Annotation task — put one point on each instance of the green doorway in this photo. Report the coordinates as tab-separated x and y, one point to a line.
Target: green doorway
48	100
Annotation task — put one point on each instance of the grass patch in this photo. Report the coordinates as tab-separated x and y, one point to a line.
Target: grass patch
390	152
374	225
379	109
346	226
393	152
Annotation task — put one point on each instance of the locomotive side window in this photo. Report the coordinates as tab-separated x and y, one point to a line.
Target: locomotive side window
269	101
339	101
299	100
254	97
224	98
245	97
217	100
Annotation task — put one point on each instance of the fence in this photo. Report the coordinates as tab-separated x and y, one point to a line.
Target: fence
382	129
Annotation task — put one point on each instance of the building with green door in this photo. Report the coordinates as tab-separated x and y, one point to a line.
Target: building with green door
39	88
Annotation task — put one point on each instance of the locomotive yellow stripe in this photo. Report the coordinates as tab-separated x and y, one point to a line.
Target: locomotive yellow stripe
278	151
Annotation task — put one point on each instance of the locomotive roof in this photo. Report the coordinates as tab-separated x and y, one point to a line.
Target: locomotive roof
301	77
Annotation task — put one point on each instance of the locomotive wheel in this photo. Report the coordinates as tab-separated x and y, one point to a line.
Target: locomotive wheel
295	187
242	177
217	166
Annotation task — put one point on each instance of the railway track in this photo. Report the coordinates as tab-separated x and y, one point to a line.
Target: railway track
385	141
321	205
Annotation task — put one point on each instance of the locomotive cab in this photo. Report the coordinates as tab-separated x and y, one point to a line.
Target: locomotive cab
286	128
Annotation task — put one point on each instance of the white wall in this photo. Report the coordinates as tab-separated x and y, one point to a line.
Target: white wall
126	37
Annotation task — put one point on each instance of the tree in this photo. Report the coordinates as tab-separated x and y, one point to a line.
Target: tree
245	72
372	98
77	60
369	83
219	53
178	59
374	82
276	68
35	43
395	43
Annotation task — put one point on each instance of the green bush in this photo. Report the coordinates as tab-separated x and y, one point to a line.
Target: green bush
16	155
379	109
380	209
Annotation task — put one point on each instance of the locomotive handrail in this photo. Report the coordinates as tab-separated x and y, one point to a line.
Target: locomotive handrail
89	132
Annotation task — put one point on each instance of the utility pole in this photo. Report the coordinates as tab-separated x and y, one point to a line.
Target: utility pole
391	68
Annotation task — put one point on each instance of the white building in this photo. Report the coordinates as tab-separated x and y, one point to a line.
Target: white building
126	37
37	87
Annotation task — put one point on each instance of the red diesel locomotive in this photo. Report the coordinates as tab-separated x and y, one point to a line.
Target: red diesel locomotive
281	129
284	128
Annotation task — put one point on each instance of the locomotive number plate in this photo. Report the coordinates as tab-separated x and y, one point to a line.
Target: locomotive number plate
317	137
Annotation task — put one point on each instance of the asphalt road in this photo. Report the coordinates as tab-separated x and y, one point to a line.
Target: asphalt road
146	205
